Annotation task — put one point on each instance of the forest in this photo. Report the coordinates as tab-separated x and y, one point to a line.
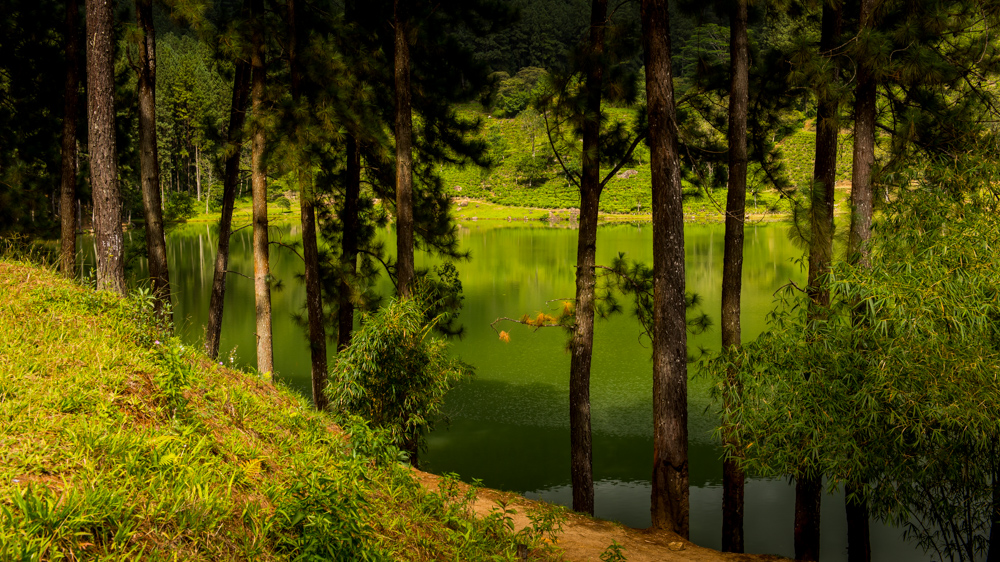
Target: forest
360	143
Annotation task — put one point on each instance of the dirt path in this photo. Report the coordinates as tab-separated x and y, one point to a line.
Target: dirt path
584	538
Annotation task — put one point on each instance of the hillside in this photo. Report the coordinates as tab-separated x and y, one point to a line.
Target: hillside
120	443
527	174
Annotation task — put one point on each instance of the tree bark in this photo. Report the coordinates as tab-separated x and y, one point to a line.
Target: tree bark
149	164
808	493
404	150
858	536
670	496
261	265
234	146
581	449
864	150
67	200
825	168
103	152
809	489
732	267
310	250
349	243
859	547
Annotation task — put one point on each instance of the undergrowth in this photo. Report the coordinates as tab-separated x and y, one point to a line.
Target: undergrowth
117	442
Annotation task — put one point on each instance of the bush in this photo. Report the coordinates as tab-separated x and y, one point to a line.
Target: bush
179	207
394	374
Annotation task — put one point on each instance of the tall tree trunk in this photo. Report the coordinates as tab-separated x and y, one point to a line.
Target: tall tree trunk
858	535
671	496
103	152
349	243
261	263
732	265
404	151
581	448
234	147
310	251
809	488
67	200
149	164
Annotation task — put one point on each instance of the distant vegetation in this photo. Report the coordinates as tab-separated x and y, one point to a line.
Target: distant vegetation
526	173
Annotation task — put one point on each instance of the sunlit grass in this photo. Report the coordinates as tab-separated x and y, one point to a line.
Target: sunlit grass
117	442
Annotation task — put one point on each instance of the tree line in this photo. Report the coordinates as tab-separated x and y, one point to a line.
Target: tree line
355	102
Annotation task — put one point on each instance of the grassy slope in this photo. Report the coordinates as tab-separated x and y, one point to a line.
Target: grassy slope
511	140
115	445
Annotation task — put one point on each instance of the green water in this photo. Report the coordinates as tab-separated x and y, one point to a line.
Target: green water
509	426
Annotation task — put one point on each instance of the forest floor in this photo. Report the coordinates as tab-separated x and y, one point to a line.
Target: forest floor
585	538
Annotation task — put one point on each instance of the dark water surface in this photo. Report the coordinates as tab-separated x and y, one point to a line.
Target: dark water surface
509	426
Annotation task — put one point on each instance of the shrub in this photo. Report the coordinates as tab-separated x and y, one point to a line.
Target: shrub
394	374
179	207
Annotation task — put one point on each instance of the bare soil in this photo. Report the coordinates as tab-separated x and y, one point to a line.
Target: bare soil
585	538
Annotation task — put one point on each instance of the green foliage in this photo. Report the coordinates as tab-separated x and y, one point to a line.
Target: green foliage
887	386
614	553
512	95
180	206
395	374
634	280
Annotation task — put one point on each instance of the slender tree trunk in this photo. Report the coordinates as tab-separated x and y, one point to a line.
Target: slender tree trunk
581	449
671	496
809	489
67	253
149	164
864	150
404	153
859	547
825	168
732	267
234	145
261	260
197	171
349	243
103	152
310	251
858	536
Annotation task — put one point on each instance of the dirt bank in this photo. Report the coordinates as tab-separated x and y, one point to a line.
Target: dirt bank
584	539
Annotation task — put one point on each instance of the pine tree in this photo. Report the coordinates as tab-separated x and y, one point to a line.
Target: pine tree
233	149
310	251
670	496
732	268
404	155
103	153
261	251
67	200
156	245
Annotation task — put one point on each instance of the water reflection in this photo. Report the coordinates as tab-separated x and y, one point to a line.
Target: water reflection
509	426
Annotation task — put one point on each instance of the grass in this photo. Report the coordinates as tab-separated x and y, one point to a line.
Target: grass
243	212
117	442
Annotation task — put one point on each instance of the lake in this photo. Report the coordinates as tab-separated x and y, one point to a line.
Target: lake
509	426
